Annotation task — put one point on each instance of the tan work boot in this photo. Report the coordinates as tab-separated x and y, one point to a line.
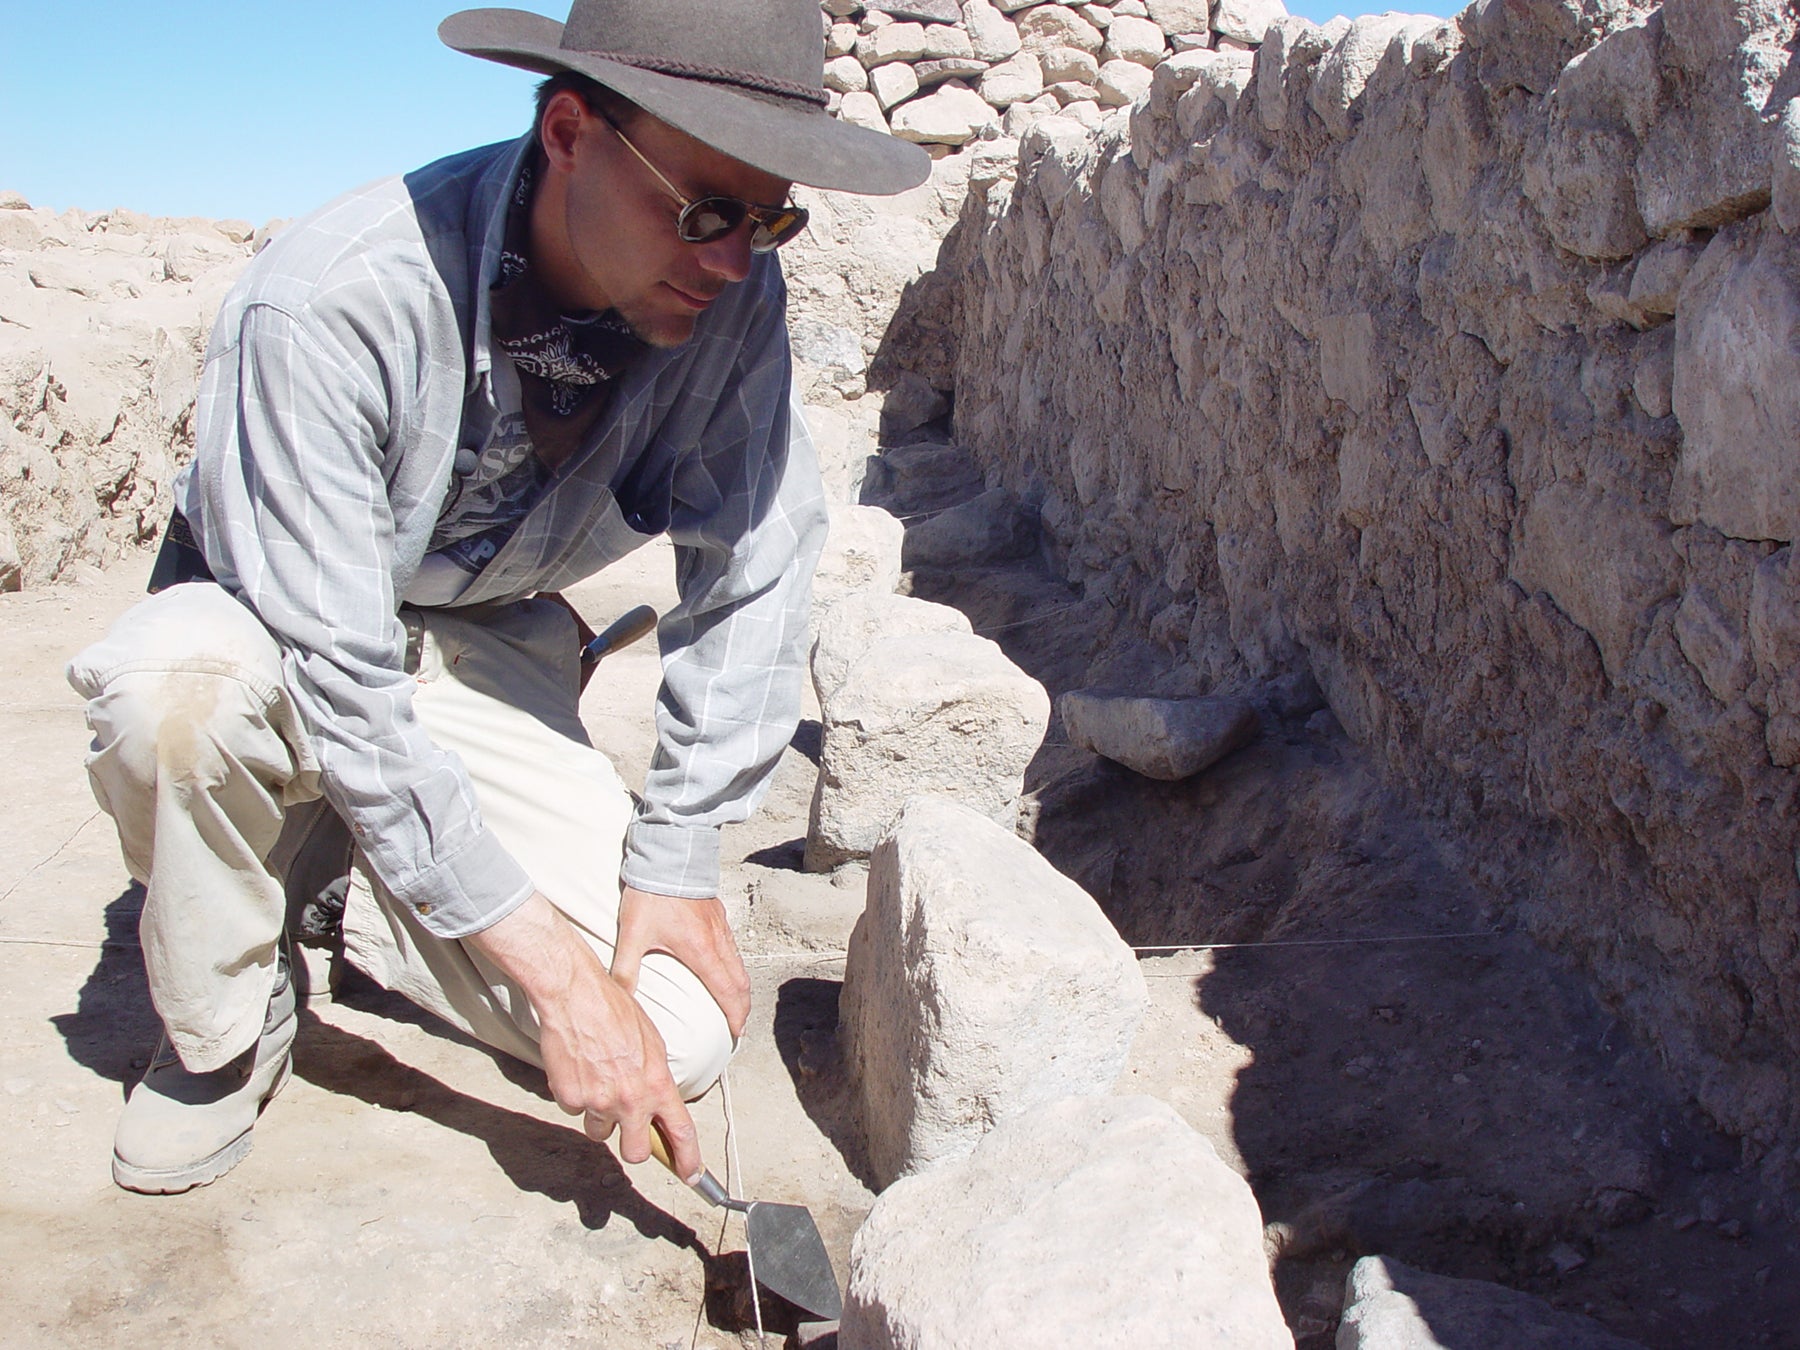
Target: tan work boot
180	1130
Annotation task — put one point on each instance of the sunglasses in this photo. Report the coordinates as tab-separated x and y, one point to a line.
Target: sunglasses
710	218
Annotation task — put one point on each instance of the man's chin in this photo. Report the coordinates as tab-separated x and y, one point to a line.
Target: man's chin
660	330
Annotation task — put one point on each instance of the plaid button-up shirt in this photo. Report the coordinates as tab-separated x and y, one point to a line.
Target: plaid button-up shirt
347	369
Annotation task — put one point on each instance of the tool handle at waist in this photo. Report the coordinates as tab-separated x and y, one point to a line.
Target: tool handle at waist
621	632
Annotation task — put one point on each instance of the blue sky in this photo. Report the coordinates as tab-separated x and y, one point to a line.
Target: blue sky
253	110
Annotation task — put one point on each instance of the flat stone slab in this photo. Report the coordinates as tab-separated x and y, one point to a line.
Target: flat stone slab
1163	738
980	983
1090	1221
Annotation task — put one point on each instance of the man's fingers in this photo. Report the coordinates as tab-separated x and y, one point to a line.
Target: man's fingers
679	1136
727	981
597	1127
628	956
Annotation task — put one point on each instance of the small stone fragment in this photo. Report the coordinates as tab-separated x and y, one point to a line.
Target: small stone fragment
953	115
893	83
1135	40
1163	738
992	528
1388	1306
1016	80
863	110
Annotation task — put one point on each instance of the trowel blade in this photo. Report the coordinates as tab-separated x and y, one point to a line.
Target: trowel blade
791	1260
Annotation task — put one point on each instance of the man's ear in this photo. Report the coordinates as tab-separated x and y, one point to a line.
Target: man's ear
564	123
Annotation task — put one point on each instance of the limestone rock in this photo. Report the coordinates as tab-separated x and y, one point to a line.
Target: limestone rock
1164	738
1705	162
893	83
930	11
846	75
840	40
912	480
931	73
944	713
980	982
1345	71
1785	168
1068	93
953	115
1657	277
944	41
13	201
1246	20
1606	562
891	42
1016	80
910	403
993	527
1179	16
851	624
1136	40
863	110
1048	26
1093	1221
992	36
12	567
862	553
1389	1306
1061	64
1737	327
1122	82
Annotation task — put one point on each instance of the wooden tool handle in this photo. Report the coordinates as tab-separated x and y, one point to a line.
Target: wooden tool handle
707	1184
621	632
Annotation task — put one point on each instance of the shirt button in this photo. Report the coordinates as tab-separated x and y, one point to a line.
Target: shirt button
423	909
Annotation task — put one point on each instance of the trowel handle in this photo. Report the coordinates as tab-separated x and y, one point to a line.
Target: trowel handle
621	632
708	1185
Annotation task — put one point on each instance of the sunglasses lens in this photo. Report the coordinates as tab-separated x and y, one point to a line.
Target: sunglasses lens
711	218
775	228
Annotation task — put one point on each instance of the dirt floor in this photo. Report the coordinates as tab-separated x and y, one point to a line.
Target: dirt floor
1393	1070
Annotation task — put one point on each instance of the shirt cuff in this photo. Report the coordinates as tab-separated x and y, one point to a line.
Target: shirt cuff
471	890
677	860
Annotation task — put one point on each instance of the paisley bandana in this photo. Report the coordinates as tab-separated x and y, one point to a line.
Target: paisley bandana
567	363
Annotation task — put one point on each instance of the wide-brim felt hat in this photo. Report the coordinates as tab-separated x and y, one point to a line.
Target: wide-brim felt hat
746	77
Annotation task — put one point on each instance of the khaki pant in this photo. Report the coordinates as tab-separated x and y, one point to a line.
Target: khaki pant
200	760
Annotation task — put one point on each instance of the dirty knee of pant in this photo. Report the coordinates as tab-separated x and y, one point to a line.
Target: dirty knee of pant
183	727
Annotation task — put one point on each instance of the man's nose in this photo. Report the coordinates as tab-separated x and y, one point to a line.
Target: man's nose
728	258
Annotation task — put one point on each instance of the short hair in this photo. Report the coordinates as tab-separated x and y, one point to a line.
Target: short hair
607	102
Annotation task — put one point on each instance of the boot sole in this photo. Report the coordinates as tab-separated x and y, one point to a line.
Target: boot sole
173	1181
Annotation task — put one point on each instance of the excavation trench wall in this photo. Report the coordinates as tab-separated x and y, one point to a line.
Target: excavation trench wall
1457	364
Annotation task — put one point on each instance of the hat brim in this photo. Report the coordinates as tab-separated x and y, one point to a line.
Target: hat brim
799	143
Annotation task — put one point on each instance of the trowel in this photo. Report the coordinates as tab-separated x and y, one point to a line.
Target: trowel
786	1251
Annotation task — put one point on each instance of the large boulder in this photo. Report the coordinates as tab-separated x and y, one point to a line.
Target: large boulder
980	983
939	712
1093	1222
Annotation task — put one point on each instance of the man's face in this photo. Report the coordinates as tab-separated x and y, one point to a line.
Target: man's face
609	240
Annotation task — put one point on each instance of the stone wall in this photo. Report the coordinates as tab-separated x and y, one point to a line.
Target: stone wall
103	319
1457	363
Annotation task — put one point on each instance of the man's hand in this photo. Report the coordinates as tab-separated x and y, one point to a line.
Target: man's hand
696	934
604	1058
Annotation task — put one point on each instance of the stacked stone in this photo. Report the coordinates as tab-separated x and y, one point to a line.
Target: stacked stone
943	74
1459	363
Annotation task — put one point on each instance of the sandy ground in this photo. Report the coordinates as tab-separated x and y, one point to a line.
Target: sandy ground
1463	1104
